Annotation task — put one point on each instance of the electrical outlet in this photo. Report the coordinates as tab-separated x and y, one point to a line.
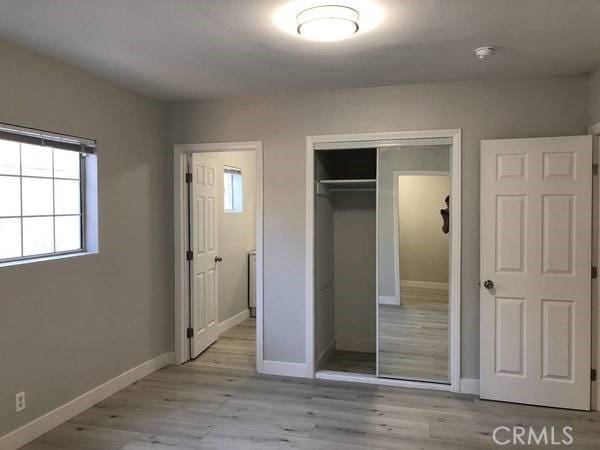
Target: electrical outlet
20	401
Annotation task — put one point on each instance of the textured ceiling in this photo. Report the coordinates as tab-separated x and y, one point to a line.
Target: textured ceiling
184	49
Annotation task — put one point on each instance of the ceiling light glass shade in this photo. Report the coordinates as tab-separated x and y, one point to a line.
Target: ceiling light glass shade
327	23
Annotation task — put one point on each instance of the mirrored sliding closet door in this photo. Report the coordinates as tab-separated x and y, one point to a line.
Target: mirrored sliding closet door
413	239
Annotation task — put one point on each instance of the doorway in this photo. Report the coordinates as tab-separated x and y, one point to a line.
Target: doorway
218	246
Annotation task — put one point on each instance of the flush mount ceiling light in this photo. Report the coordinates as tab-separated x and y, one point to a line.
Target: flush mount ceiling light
327	20
484	52
327	23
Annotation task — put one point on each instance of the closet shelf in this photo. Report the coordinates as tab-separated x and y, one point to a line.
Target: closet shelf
346	185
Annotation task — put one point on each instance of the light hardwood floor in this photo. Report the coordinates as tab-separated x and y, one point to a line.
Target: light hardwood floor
414	336
352	362
218	402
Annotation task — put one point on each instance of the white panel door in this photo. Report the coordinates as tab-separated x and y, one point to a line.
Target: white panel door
203	213
536	237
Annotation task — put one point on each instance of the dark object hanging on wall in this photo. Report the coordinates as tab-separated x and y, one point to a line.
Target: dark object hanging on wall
446	216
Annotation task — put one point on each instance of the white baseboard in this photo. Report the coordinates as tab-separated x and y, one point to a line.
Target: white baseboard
424	284
469	386
60	415
233	321
386	300
287	369
326	354
372	379
355	345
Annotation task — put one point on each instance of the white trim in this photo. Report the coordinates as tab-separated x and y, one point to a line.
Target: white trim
180	239
355	345
388	300
396	207
455	226
424	284
595	388
326	354
469	386
233	321
454	296
309	289
60	415
287	369
372	379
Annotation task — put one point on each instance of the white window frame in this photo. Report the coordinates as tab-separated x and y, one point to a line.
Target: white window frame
237	186
88	212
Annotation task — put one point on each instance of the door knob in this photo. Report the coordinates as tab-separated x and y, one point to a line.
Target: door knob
218	259
488	284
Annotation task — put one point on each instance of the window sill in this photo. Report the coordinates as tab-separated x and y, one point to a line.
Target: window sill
46	258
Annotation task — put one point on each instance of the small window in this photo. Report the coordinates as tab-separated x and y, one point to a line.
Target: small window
233	190
42	196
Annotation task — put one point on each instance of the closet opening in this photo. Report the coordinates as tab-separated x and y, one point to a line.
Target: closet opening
345	251
385	252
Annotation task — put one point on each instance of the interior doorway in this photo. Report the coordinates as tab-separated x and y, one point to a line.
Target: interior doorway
218	250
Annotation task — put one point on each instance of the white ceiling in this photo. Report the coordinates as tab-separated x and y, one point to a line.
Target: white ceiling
183	49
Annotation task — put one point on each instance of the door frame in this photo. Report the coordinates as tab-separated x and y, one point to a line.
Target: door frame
180	233
455	219
594	130
398	173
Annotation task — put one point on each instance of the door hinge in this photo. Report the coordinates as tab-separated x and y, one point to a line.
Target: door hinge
594	272
190	333
595	169
188	177
189	255
593	375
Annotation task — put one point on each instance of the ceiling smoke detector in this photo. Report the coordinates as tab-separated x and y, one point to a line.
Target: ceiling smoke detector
484	52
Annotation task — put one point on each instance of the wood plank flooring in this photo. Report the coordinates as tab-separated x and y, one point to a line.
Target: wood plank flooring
352	362
219	402
414	336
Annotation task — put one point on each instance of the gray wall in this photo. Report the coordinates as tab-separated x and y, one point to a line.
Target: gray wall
355	292
424	249
237	234
67	326
324	268
499	109
594	97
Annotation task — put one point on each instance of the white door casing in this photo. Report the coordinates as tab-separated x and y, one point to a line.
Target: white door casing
203	208
536	219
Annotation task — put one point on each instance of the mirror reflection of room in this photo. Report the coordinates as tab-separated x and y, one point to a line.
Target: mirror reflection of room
414	186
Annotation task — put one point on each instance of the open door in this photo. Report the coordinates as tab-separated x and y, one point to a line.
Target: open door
203	237
536	240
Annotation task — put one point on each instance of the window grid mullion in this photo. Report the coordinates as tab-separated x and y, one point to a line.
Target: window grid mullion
53	208
21	215
21	194
35	216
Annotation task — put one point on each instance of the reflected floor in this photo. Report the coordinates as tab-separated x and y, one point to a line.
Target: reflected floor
414	336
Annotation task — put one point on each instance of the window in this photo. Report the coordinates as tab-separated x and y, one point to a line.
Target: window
233	189
42	194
